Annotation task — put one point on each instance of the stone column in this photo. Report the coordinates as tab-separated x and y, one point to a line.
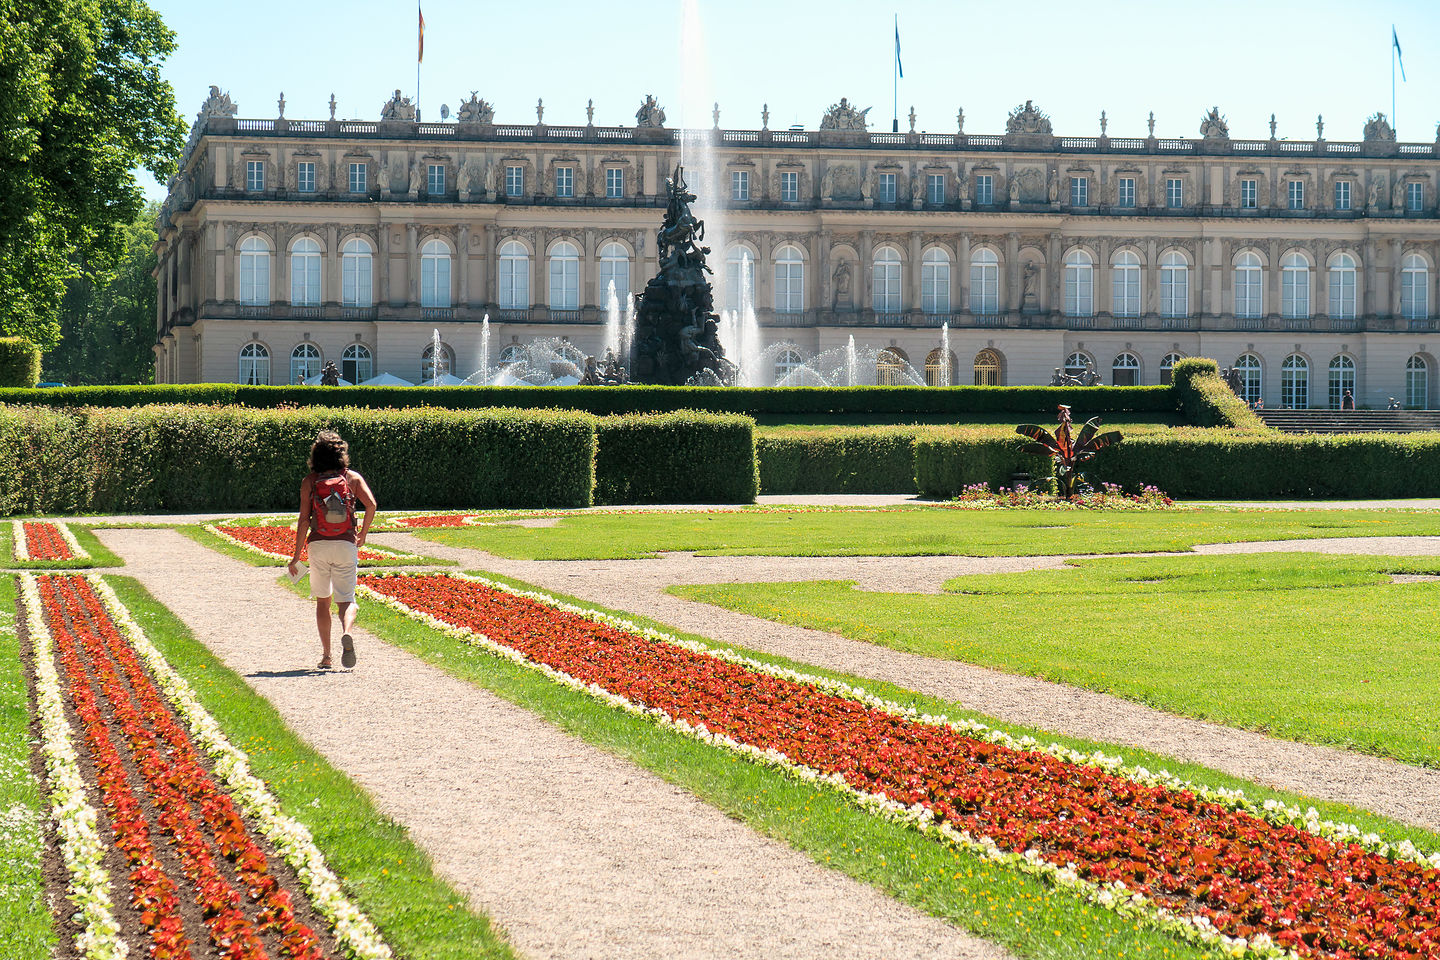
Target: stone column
916	302
1272	292
185	266
867	269
280	285
1151	283
1367	284
1012	292
1055	274
331	291
1227	279
1104	277
462	259
412	263
826	295
1395	261
1204	255
589	273
383	266
489	273
960	284
765	272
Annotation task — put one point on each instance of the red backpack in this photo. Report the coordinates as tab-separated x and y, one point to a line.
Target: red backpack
332	505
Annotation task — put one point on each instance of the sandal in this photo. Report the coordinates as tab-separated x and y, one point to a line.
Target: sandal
324	664
347	655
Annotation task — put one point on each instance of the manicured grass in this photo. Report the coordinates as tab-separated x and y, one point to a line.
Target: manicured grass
1024	913
25	928
99	556
912	531
205	538
421	916
1324	649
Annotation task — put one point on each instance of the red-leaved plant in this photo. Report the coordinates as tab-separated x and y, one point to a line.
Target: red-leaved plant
1065	451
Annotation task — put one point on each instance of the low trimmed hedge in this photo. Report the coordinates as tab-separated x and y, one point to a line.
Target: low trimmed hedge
949	460
1207	401
683	457
19	363
859	460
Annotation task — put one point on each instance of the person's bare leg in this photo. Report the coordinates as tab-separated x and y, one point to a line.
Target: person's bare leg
347	611
322	623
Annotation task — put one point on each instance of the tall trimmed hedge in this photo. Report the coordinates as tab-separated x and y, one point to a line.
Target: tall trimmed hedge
949	460
41	453
859	460
19	363
1207	401
683	457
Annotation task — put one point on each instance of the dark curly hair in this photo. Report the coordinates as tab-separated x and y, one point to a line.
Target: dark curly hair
329	453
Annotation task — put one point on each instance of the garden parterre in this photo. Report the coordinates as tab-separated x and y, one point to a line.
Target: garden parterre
277	543
45	540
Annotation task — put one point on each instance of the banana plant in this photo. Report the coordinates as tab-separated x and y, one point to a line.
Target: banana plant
1065	451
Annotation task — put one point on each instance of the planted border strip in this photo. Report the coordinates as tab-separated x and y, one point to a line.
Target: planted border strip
277	542
45	540
1209	865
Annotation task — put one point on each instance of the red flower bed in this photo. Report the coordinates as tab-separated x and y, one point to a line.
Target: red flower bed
43	542
433	520
190	811
1246	875
280	542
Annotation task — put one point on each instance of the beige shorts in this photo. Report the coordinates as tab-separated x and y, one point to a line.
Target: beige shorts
332	570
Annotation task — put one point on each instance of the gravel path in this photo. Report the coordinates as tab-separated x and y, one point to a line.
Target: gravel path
1402	791
573	851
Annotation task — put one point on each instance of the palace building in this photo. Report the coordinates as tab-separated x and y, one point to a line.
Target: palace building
1310	265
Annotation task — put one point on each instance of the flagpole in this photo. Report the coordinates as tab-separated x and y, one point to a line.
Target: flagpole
1392	76
420	56
895	85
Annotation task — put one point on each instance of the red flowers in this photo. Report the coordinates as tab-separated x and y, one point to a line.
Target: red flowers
44	542
433	520
280	541
1246	875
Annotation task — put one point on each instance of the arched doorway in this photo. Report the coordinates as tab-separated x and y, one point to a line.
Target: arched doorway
987	368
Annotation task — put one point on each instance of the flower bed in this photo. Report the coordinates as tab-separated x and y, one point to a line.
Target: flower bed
44	540
979	496
1264	880
278	542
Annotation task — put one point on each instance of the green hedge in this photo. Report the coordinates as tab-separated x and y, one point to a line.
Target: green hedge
877	460
1207	401
41	456
949	460
683	457
19	363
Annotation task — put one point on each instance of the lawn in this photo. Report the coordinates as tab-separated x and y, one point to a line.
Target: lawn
919	531
1323	649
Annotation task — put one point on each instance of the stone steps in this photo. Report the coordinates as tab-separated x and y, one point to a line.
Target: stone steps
1352	421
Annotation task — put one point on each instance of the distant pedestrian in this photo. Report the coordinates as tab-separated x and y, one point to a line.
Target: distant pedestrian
327	523
1347	402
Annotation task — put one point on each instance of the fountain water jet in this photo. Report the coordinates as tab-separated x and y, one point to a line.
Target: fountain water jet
945	354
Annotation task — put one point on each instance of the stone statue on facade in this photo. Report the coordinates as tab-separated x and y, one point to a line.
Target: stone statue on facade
1377	192
844	116
398	108
1213	126
867	185
1029	276
841	279
417	176
464	177
217	104
492	179
1052	187
650	113
1378	129
1014	190
475	110
384	171
1026	119
827	183
917	187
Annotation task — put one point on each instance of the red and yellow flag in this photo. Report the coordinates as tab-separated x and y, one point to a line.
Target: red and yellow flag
420	58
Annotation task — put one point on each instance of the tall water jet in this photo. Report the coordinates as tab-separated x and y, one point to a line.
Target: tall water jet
749	348
698	115
614	335
485	349
436	357
945	355
851	370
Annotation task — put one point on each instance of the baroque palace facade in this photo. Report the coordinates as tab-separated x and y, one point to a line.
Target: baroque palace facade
1308	265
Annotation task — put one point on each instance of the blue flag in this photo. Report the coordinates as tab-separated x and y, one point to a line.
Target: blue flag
1394	39
898	65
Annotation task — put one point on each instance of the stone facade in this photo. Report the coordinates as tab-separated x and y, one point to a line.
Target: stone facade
1033	248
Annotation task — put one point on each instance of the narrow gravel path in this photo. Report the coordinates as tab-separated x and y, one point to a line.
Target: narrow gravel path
1402	791
575	852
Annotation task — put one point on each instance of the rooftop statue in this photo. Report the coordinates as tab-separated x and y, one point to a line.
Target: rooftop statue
1026	119
398	108
650	113
217	105
1214	127
475	110
844	116
1378	128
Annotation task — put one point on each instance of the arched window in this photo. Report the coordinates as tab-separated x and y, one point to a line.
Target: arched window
935	281
255	365
1248	366
357	285
1417	383
514	276
987	368
1414	288
1125	285
1249	287
304	362
1295	287
890	367
1077	363
1342	378
305	273
984	282
511	355
940	368
254	272
615	268
786	363
1295	383
1174	285
435	274
1125	370
429	369
789	280
739	278
1079	284
357	364
1167	367
1342	286
564	277
886	288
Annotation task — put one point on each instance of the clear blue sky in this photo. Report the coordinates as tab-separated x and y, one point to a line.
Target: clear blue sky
1123	56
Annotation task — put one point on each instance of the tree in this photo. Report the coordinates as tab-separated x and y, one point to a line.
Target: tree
82	106
107	328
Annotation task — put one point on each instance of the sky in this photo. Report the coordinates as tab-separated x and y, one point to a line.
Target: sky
1295	59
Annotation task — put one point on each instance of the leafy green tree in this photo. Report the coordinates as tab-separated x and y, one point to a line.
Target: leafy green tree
107	328
82	106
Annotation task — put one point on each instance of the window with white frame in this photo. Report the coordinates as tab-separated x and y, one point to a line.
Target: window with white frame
564	277
433	366
1174	285
304	362
1417	383
1295	383
1296	189
1125	192
786	363
357	285
789	280
1077	363
1249	193
1249	287
615	268
305	176
254	175
1342	378
305	273
935	188
1414	287
739	184
1342	286
514	277
435	274
1295	287
1079	191
1247	365
885	188
254	365
359	177
1167	368
984	189
254	271
1125	285
935	281
1174	193
789	186
514	181
614	182
1125	370
564	181
1342	194
357	364
739	278
984	281
1414	197
885	296
1079	284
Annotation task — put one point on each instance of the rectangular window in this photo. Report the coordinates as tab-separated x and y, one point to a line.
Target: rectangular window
1414	197
984	189
935	188
435	179
885	191
514	181
1079	191
358	178
1174	193
564	181
1296	190
305	176
254	175
1249	194
614	182
1125	195
739	184
790	186
1342	194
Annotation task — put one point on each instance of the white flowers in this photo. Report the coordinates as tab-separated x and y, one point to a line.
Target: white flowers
21	549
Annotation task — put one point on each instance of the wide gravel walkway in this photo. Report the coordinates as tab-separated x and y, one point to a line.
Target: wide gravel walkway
574	852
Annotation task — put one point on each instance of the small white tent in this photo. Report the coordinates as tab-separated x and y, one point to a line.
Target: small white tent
315	381
386	380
